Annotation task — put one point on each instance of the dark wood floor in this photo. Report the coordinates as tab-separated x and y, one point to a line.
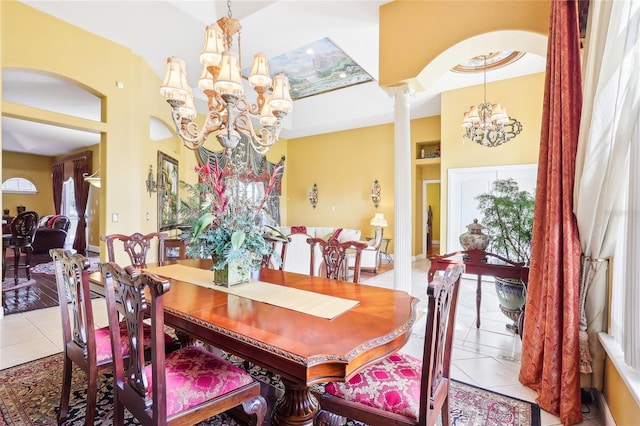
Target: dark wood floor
37	293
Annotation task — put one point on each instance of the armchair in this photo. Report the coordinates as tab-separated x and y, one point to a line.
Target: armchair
51	233
370	260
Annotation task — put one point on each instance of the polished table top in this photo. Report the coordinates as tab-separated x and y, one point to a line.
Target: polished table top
302	348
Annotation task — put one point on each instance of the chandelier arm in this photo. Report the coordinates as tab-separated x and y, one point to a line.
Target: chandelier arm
244	105
188	129
261	143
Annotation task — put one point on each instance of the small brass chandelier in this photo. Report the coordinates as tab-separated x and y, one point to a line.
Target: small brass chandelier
489	124
229	116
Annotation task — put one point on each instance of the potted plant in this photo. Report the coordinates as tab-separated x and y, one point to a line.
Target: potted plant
227	226
508	220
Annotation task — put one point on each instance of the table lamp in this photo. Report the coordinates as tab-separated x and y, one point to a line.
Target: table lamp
379	220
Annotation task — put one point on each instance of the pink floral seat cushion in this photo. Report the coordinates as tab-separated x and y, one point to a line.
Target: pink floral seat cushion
194	376
392	385
103	341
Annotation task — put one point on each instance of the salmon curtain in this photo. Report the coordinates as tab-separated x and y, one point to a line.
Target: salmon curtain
550	345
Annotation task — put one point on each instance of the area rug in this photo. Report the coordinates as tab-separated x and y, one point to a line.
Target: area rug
47	268
29	395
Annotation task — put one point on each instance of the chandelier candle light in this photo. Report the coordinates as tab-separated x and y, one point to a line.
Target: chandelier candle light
488	124
229	116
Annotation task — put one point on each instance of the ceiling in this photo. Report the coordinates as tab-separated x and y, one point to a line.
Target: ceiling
161	28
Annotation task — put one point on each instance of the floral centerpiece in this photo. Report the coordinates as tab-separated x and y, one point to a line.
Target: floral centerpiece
227	225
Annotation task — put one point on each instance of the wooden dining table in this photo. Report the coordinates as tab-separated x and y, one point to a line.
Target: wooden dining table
303	349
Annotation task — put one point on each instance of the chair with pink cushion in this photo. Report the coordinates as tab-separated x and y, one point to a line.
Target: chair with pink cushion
84	345
183	387
401	389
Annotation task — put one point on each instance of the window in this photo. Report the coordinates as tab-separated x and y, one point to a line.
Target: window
18	185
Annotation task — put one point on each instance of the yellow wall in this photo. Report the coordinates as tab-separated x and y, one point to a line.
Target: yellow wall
624	408
523	96
344	165
37	169
413	33
433	200
126	149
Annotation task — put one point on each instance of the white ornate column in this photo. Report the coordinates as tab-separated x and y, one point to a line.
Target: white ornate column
402	229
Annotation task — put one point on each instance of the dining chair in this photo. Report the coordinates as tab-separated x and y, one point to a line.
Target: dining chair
23	231
335	256
183	387
136	246
271	260
401	389
85	345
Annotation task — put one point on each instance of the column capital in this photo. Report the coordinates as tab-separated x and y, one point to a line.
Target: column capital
399	90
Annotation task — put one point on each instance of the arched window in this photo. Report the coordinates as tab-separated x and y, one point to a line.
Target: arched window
18	185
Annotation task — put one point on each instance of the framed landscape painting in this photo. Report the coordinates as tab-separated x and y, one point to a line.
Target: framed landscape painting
168	195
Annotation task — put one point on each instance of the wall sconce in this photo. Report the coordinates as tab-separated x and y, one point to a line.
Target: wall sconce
313	195
152	185
376	195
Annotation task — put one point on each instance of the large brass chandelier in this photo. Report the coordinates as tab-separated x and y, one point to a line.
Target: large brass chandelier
229	116
489	124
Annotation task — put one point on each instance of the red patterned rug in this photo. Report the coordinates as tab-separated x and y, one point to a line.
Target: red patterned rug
29	395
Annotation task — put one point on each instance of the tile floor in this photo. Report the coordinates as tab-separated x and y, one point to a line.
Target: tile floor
487	357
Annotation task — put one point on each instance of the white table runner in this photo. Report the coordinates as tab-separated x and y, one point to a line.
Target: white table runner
308	302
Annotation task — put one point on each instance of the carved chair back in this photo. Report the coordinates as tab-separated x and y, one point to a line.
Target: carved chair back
23	228
23	231
334	256
136	246
78	331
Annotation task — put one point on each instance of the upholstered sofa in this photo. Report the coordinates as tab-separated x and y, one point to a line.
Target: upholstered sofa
51	233
298	257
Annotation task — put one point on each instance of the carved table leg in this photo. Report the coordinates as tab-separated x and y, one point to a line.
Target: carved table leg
325	418
296	407
478	300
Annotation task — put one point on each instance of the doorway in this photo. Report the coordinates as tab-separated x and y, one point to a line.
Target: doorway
68	209
430	217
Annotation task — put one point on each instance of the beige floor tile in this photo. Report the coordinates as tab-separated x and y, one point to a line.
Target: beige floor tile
26	351
487	371
16	330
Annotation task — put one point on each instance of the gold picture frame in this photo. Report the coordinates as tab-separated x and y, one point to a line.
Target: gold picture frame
168	201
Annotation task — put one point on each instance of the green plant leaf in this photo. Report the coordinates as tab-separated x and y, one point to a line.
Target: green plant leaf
203	223
237	239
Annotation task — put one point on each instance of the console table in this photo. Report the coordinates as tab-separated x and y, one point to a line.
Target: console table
384	249
481	263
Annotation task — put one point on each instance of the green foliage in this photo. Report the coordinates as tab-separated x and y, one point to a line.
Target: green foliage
508	220
227	225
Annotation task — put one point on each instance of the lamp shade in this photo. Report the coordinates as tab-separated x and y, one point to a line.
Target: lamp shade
229	81
280	101
379	220
213	46
174	79
259	76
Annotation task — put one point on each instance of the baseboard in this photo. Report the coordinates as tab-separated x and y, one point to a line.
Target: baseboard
92	248
604	409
